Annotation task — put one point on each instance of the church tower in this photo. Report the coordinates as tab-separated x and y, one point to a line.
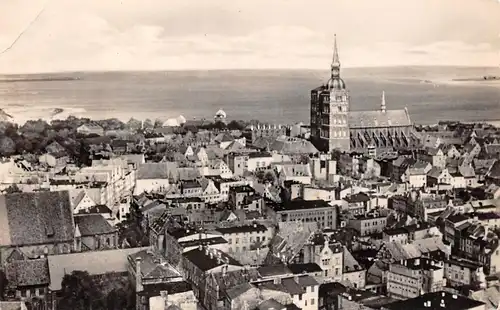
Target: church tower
330	111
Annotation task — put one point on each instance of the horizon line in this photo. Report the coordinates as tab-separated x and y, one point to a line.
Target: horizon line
245	69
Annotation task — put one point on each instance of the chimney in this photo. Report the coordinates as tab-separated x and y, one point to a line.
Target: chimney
138	275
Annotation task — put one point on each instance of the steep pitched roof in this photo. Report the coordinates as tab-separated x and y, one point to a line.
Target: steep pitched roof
36	218
494	171
155	170
28	272
93	224
363	119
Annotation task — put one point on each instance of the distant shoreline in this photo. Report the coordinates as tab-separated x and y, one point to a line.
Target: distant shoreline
479	79
48	79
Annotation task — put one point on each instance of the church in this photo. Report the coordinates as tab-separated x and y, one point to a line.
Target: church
335	127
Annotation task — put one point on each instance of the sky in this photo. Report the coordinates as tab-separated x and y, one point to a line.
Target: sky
79	35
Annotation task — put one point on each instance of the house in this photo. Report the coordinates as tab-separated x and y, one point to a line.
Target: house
437	300
27	278
412	277
459	272
237	195
399	166
307	211
246	237
469	175
191	188
200	264
101	210
368	224
438	176
416	174
323	167
93	233
471	150
328	255
288	243
146	267
451	151
59	159
303	290
153	177
353	274
435	156
36	224
357	204
89	129
237	162
82	202
259	161
218	168
210	193
179	240
295	172
223	185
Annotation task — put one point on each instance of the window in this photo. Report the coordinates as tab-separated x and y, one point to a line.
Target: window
305	302
300	296
312	301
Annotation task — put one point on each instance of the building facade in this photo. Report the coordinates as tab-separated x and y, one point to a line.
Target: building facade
335	127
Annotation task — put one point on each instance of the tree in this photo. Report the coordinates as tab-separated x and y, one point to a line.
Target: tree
7	146
158	123
260	175
269	177
148	124
236	125
79	292
12	189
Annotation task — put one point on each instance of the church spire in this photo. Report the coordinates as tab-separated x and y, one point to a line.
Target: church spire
335	61
382	103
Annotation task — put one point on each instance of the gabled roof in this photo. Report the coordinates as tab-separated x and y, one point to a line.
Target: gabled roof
32	272
435	172
364	119
494	171
93	224
224	137
36	218
161	170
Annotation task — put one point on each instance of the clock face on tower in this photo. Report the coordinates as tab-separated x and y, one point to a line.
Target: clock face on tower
335	72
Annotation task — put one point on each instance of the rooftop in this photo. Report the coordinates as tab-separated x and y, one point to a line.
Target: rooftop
36	218
207	259
300	204
434	301
242	229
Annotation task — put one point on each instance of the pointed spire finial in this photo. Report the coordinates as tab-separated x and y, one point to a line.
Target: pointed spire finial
382	104
336	60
